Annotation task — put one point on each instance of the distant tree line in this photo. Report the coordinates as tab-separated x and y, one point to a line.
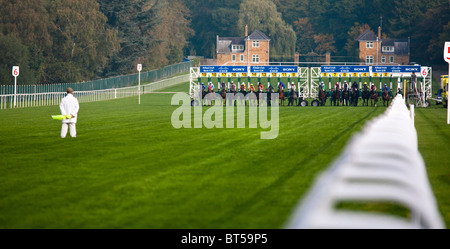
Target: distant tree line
68	40
54	41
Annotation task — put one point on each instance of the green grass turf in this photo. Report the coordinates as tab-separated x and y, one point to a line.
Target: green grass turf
434	145
129	168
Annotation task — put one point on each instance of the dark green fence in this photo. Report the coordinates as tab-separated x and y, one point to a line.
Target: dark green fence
109	83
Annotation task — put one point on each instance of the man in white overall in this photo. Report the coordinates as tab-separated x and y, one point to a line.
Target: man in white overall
69	106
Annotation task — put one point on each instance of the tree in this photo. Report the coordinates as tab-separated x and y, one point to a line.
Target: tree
172	31
65	40
82	43
291	10
407	14
14	53
434	29
351	46
305	34
263	15
209	19
324	43
28	20
29	23
152	32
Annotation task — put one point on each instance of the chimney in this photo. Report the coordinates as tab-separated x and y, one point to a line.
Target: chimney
217	45
246	30
328	58
379	33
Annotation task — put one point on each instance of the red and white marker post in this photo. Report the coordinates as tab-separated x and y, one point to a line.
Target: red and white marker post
447	59
15	73
424	73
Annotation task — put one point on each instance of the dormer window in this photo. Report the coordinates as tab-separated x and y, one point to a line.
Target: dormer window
387	49
237	48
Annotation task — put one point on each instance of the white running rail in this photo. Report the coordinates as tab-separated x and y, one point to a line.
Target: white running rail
54	98
380	164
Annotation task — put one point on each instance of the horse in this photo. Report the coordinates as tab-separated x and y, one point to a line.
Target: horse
345	96
366	96
252	97
224	95
322	96
242	90
203	95
281	96
232	90
210	97
259	95
386	97
269	95
373	97
336	96
355	96
292	97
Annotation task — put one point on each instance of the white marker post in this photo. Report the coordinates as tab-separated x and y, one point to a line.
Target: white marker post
424	73
15	73
447	59
139	68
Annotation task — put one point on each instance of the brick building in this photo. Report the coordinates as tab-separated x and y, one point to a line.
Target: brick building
241	51
374	50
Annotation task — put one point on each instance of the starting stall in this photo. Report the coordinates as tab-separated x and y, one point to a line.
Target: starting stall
330	75
413	81
266	75
399	79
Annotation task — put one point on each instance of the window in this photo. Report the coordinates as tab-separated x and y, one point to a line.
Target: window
391	59
369	59
233	57
387	49
242	57
255	44
383	59
238	47
369	44
255	58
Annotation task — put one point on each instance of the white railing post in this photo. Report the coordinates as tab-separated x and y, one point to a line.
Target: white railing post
381	164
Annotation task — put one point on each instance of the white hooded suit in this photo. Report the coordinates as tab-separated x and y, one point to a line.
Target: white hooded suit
69	106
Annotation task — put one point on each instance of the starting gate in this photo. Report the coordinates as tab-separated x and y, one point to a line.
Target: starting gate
309	78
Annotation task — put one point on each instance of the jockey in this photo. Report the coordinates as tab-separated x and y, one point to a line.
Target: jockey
211	86
260	87
365	86
252	88
322	85
243	86
233	86
282	85
355	86
373	88
293	86
336	86
345	85
224	86
386	88
203	86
